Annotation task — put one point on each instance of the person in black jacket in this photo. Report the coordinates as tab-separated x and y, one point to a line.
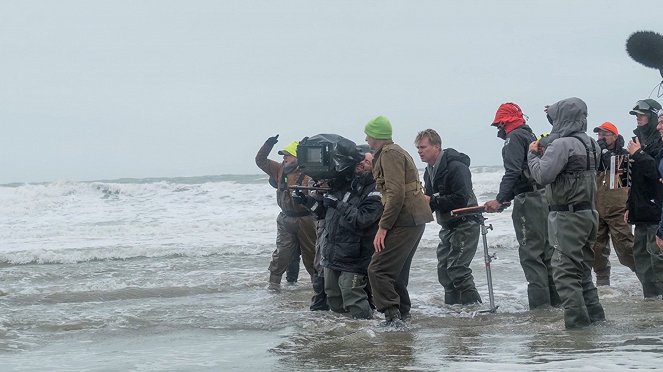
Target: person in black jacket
448	186
350	211
530	208
644	199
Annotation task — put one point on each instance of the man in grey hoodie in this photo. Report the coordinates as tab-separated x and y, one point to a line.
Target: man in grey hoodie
565	162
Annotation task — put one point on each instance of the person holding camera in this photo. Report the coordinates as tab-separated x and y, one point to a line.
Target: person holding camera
530	208
643	207
401	226
448	186
567	168
611	205
349	213
294	224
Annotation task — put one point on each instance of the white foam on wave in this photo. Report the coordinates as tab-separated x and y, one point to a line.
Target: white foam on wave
78	221
68	221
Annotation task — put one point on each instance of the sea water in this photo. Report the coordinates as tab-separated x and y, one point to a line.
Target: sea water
171	275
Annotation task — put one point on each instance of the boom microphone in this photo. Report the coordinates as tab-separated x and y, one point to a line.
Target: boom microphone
646	47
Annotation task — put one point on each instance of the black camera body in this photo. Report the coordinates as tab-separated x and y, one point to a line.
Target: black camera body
328	157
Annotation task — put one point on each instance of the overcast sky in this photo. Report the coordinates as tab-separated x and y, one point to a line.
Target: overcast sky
109	89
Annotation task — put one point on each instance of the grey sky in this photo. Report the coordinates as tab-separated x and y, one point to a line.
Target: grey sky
109	89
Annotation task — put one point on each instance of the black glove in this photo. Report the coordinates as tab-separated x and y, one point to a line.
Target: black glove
330	201
433	202
298	197
602	144
272	140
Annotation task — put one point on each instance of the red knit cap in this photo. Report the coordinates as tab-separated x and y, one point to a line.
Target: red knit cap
510	115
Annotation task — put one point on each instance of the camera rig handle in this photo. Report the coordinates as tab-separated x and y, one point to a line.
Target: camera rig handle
479	209
309	188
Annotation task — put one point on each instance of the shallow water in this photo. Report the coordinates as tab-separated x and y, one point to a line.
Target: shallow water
171	276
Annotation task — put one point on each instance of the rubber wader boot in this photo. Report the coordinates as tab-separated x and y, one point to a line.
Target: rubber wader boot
451	296
576	317
555	301
596	313
392	318
538	298
470	296
650	290
319	299
274	283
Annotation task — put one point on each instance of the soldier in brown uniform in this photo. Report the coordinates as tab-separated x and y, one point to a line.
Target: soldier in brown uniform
401	226
294	225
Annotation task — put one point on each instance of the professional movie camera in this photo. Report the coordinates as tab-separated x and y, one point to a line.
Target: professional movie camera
328	157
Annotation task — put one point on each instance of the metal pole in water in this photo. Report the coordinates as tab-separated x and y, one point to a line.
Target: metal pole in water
488	259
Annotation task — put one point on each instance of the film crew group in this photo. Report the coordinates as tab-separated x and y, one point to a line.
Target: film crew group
530	208
643	207
348	213
448	185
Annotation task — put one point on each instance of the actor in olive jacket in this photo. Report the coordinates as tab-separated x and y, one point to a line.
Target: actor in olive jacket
402	224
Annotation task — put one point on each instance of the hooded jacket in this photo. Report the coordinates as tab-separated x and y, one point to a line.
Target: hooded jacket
347	240
646	193
516	178
281	181
397	179
568	166
450	187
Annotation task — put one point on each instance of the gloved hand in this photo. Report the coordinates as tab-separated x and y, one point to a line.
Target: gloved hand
330	201
433	201
602	144
298	197
272	140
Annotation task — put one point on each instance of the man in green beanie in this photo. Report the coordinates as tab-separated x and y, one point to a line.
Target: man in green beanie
401	226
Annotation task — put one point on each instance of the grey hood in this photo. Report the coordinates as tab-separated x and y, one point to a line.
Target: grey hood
568	116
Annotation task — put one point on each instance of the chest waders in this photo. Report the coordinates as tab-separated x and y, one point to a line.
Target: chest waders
477	212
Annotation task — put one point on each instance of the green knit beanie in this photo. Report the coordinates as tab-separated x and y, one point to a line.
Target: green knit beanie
378	128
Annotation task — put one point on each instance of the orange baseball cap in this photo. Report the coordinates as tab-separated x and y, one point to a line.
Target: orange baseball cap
610	127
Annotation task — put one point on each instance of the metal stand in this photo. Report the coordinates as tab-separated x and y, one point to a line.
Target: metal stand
488	258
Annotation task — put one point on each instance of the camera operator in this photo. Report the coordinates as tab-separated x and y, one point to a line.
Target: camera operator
350	211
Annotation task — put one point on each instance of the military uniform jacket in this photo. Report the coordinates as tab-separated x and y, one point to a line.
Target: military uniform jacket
397	179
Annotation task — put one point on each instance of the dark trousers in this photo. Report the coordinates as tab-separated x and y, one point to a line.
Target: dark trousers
648	260
530	221
455	252
292	233
389	270
572	235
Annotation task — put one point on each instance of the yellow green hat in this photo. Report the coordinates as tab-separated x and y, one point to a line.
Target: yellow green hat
291	149
378	128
